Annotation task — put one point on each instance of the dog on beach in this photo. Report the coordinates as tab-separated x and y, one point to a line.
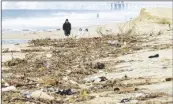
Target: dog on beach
86	29
83	32
80	29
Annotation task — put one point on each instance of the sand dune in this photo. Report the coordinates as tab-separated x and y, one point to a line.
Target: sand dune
155	15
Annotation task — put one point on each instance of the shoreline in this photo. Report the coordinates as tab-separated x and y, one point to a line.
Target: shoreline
47	34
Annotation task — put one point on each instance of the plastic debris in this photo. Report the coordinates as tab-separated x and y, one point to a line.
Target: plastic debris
154	56
42	95
99	65
10	88
65	92
124	100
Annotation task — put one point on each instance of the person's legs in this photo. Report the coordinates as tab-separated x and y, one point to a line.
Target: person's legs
69	32
66	33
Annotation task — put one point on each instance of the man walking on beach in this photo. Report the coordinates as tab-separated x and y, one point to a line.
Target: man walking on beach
67	27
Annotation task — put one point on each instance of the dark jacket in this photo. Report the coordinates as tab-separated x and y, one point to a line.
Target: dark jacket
67	26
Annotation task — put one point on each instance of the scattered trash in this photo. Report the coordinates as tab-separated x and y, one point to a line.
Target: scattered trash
17	44
125	43
154	56
4	83
42	95
136	89
73	82
124	100
139	95
99	65
164	67
65	78
120	61
124	89
101	71
65	92
10	88
97	80
125	77
133	101
26	94
90	79
116	89
49	55
103	78
47	65
68	71
168	79
50	89
113	43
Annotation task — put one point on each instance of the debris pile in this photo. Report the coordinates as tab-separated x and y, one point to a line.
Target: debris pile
60	71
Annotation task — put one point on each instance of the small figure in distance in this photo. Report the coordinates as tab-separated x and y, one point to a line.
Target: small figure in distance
97	15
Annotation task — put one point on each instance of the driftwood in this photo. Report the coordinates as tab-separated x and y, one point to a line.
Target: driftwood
24	84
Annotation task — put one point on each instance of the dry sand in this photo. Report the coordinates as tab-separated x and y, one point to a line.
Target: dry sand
144	73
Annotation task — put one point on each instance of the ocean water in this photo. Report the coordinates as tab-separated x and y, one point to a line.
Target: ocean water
23	21
14	41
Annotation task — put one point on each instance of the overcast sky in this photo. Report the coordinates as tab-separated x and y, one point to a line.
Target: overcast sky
53	5
63	5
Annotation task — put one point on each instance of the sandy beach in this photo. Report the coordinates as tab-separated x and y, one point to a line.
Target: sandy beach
123	49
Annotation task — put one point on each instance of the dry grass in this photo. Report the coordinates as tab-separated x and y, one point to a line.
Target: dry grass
164	21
